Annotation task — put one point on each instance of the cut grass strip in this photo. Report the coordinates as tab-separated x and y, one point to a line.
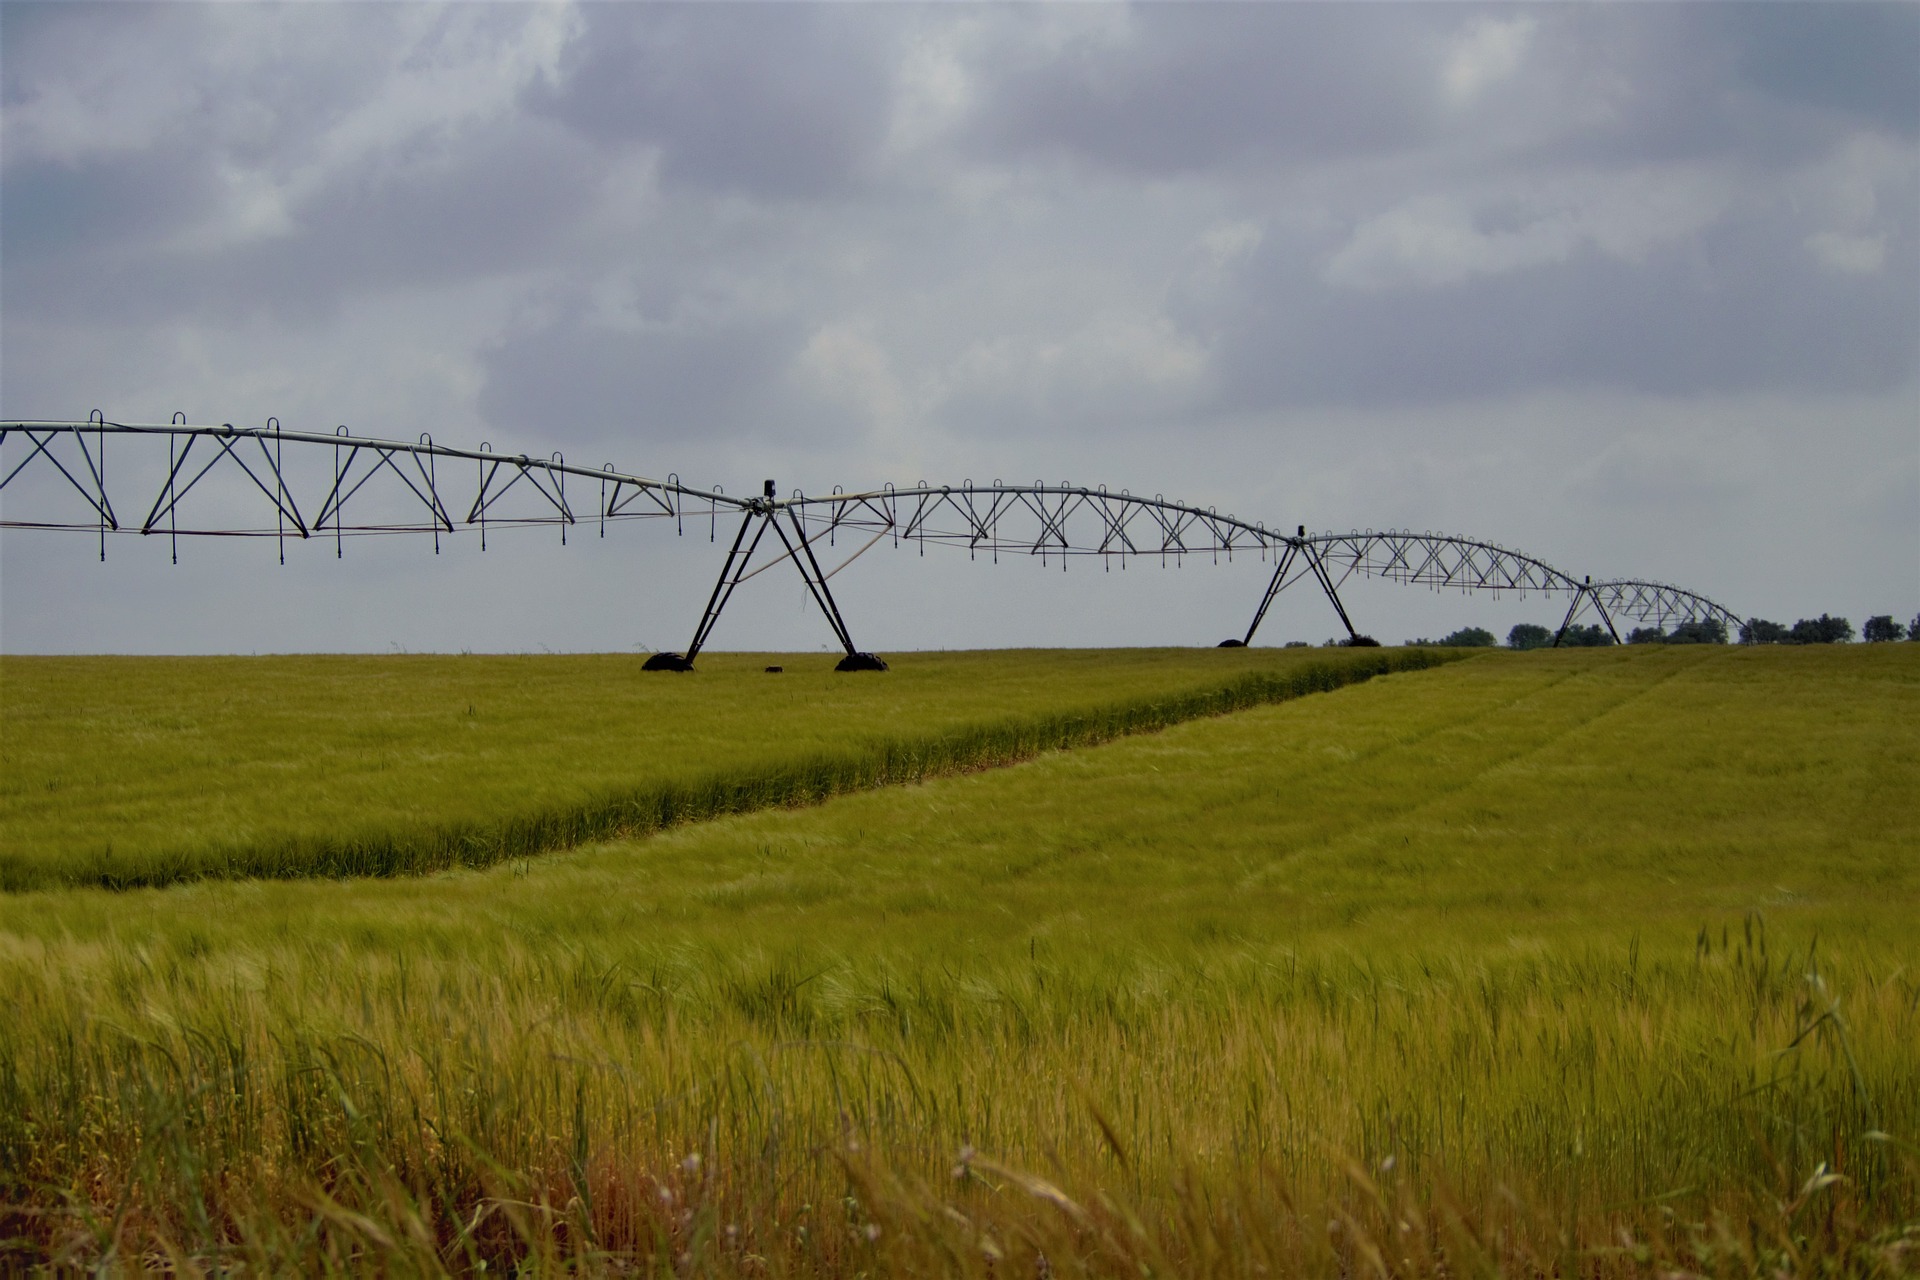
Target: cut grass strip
403	848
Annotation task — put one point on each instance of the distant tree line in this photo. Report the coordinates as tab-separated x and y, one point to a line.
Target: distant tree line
1525	636
1705	631
1824	629
1464	638
1881	628
1530	635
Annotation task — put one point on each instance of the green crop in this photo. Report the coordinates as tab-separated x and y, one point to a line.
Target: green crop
148	771
1598	963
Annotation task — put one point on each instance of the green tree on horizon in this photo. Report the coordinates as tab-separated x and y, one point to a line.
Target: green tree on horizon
1468	638
1703	631
1529	635
1590	636
1821	630
1881	628
1760	631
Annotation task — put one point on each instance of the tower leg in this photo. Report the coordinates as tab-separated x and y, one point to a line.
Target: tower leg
1573	611
1275	586
1326	582
1581	598
1602	611
801	553
734	571
722	592
730	576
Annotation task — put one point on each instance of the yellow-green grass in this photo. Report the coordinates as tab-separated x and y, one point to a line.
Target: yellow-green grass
1594	963
144	771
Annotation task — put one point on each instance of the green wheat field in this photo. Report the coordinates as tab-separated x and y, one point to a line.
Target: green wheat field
1130	963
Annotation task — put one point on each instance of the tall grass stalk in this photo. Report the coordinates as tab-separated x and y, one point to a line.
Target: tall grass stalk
1225	1112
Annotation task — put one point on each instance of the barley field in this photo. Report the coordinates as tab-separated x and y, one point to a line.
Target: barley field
147	771
1580	963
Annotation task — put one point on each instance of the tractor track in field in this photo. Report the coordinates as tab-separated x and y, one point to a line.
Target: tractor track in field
1436	795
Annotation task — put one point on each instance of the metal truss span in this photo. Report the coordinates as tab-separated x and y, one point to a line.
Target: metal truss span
227	481
1059	522
1659	603
303	481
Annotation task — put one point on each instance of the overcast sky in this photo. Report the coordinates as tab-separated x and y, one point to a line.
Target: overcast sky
1635	288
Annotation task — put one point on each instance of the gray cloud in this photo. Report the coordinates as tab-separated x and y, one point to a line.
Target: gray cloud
578	380
498	203
765	101
1285	257
1737	308
1863	61
63	210
95	239
1180	89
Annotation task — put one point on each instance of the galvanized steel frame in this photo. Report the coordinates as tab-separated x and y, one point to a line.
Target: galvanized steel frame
1047	522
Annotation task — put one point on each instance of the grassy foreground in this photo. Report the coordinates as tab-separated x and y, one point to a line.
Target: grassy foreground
123	772
1583	963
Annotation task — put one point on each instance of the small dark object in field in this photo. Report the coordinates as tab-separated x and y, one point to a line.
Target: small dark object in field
861	662
772	671
1231	644
1360	642
667	662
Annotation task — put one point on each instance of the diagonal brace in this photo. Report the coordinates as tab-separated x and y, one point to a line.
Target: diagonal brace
1581	597
730	577
1320	572
816	581
1275	586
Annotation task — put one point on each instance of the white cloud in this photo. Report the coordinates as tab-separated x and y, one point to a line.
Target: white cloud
98	93
1846	195
405	101
1843	190
845	362
1435	241
933	87
1443	240
1227	242
1119	365
452	68
1487	52
1850	255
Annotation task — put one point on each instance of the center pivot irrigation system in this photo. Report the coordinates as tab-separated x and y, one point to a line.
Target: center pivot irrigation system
306	480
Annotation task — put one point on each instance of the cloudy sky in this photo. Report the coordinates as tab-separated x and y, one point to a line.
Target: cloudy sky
1635	288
